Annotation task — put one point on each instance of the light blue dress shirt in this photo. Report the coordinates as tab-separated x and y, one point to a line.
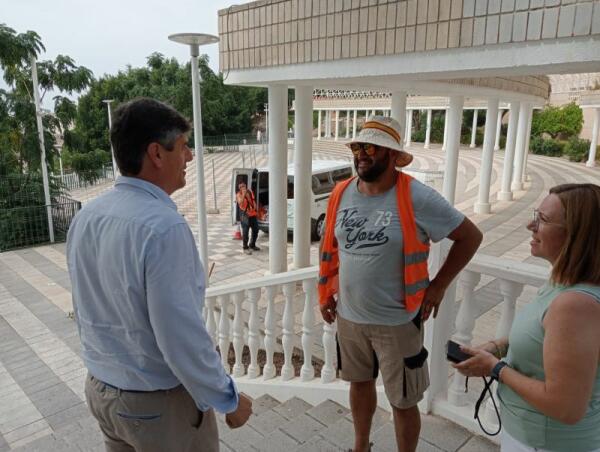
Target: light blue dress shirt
138	292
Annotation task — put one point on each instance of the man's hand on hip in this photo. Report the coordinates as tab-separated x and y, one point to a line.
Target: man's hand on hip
328	310
434	294
241	414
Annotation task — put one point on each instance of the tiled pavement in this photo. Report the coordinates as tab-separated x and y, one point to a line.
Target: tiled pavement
41	375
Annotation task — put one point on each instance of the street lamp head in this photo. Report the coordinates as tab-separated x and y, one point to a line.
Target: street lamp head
198	39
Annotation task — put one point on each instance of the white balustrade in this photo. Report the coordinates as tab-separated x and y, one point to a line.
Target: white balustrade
224	330
510	291
209	318
287	340
307	372
511	278
238	334
328	369
465	322
253	333
269	369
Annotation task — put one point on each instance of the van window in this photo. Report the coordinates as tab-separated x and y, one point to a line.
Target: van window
339	175
322	183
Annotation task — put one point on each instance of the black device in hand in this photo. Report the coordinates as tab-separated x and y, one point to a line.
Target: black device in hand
454	353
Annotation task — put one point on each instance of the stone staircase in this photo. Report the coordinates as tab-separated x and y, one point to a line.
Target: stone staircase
295	425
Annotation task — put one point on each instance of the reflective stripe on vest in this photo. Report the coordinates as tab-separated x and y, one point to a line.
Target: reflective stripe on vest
416	276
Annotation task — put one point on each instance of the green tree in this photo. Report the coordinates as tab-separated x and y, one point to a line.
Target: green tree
558	122
19	146
225	109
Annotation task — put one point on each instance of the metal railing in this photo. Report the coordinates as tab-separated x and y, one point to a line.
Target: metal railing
27	226
76	181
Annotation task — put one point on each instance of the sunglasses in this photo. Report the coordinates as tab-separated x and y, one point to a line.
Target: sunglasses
369	149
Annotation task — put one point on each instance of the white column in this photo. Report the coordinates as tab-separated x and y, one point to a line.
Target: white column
453	125
524	176
302	176
327	123
337	124
355	116
319	126
509	153
409	118
446	130
428	129
438	330
474	129
399	108
347	124
277	179
487	158
498	130
521	139
594	141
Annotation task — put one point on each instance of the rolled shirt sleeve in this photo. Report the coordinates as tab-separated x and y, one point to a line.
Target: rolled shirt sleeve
175	284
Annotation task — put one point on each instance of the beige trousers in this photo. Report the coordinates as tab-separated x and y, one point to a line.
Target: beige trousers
160	421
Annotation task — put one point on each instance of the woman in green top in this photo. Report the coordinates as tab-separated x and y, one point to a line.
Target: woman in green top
549	390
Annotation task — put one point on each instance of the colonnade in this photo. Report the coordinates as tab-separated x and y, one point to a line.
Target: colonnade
335	116
513	174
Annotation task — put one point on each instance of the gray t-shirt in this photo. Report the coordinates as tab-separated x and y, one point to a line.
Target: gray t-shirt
369	236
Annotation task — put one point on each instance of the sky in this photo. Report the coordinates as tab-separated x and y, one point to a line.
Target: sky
107	35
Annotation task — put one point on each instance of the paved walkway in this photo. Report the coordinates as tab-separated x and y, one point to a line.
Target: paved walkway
41	373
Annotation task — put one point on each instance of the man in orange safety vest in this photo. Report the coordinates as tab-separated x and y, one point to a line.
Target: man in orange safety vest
373	277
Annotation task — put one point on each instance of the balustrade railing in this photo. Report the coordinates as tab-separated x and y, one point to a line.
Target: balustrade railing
255	322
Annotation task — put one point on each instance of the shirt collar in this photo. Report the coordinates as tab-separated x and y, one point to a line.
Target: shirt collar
148	187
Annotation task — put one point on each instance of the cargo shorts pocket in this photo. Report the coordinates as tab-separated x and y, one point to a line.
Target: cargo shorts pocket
416	361
416	378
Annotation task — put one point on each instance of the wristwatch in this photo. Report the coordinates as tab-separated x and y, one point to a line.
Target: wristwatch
497	369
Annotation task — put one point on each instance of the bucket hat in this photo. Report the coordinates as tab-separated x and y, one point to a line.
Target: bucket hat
385	132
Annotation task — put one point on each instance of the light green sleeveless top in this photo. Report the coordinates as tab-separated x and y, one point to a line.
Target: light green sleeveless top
525	354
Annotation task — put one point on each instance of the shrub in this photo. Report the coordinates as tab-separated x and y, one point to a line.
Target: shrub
546	146
564	122
89	165
577	149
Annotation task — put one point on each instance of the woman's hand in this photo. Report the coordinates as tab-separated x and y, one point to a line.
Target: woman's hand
480	365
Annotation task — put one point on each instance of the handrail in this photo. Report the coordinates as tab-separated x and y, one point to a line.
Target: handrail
481	263
263	281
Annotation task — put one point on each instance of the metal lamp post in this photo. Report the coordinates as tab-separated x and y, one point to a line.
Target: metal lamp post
40	127
112	151
194	41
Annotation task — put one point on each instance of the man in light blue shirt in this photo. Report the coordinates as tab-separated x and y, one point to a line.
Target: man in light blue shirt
138	293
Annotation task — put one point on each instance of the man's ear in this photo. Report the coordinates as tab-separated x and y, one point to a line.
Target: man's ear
154	155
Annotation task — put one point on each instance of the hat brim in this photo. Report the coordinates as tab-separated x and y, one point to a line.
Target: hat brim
403	159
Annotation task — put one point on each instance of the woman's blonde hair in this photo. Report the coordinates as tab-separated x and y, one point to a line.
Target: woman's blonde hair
579	257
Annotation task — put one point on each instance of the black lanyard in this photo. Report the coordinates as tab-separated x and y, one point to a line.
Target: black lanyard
487	388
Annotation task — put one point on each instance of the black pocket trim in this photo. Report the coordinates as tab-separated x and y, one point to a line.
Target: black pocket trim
338	352
417	319
416	361
200	419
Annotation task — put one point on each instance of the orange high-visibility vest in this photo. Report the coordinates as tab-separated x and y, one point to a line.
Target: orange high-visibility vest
248	205
416	276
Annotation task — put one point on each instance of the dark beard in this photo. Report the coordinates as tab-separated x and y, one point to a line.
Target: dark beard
376	170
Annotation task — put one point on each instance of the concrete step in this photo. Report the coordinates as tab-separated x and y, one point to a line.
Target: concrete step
296	425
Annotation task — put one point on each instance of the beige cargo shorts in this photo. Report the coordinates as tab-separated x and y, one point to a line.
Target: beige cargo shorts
397	351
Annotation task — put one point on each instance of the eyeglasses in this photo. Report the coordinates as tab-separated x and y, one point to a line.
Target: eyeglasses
537	219
369	149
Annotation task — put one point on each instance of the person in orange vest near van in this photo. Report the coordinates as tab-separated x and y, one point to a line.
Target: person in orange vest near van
247	204
373	277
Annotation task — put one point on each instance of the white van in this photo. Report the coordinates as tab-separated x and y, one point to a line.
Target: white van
325	174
